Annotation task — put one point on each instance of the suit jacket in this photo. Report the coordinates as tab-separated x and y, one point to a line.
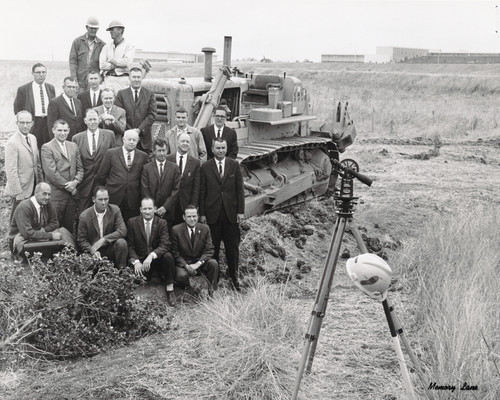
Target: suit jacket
163	189
226	193
209	133
140	115
184	252
121	181
138	248
31	227
196	144
88	227
24	98
78	55
91	163
22	166
84	97
60	169
59	109
189	188
118	127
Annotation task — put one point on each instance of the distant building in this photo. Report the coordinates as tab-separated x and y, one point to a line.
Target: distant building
349	58
171	56
400	54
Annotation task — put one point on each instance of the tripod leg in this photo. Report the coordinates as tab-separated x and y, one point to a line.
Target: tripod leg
357	236
409	350
399	354
319	308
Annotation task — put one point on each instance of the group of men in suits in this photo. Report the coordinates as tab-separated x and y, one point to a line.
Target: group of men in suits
113	152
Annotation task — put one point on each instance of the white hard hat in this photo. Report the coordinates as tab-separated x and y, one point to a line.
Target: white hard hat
92	22
115	24
371	274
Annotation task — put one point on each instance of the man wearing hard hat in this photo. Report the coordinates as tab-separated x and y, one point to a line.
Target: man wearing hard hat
116	58
85	52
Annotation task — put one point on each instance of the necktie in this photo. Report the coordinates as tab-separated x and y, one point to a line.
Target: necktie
42	98
94	102
93	144
192	236
63	149
28	141
161	169
72	106
148	232
220	168
136	95
218	134
180	163
129	159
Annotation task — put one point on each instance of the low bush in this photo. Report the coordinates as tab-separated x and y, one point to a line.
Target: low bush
74	305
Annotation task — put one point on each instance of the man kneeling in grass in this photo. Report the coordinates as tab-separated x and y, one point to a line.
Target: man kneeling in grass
193	250
149	247
35	227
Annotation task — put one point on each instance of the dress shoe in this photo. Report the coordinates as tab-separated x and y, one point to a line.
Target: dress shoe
171	300
235	284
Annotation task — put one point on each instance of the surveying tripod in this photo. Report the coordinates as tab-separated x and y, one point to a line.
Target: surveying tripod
345	202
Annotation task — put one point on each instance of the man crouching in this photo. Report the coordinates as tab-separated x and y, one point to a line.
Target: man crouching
148	246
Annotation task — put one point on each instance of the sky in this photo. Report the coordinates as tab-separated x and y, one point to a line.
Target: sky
282	30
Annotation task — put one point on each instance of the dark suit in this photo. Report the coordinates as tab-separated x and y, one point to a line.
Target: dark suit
114	232
228	134
163	190
221	199
24	101
189	188
60	109
26	227
60	169
91	163
124	184
118	126
140	115
86	100
139	248
185	252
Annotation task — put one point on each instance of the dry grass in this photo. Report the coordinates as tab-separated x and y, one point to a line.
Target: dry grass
453	274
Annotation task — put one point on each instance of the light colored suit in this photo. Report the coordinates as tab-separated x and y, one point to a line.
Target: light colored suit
60	169
197	148
22	166
118	127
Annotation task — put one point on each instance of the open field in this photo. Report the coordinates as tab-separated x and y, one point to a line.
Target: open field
423	211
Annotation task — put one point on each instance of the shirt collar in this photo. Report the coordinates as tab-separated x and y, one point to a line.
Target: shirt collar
98	213
87	38
67	98
35	203
90	133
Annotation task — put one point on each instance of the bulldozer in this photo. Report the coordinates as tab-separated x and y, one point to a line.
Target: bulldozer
282	159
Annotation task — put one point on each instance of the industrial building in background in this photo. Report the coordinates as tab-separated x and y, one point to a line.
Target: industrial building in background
391	54
171	56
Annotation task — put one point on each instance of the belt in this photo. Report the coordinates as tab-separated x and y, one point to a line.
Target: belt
113	73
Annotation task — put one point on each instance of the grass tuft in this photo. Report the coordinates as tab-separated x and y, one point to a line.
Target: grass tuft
453	271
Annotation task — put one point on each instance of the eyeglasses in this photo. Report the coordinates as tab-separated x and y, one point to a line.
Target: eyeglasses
220	116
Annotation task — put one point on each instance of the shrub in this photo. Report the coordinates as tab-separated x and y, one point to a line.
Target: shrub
73	305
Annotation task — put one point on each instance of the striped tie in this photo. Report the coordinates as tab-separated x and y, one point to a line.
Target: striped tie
42	98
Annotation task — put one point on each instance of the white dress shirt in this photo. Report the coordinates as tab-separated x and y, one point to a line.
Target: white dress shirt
178	160
38	101
89	139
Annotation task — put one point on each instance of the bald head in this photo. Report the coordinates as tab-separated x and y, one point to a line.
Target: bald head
130	139
42	193
183	142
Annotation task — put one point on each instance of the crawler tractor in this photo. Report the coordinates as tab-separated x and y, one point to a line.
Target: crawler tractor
283	161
